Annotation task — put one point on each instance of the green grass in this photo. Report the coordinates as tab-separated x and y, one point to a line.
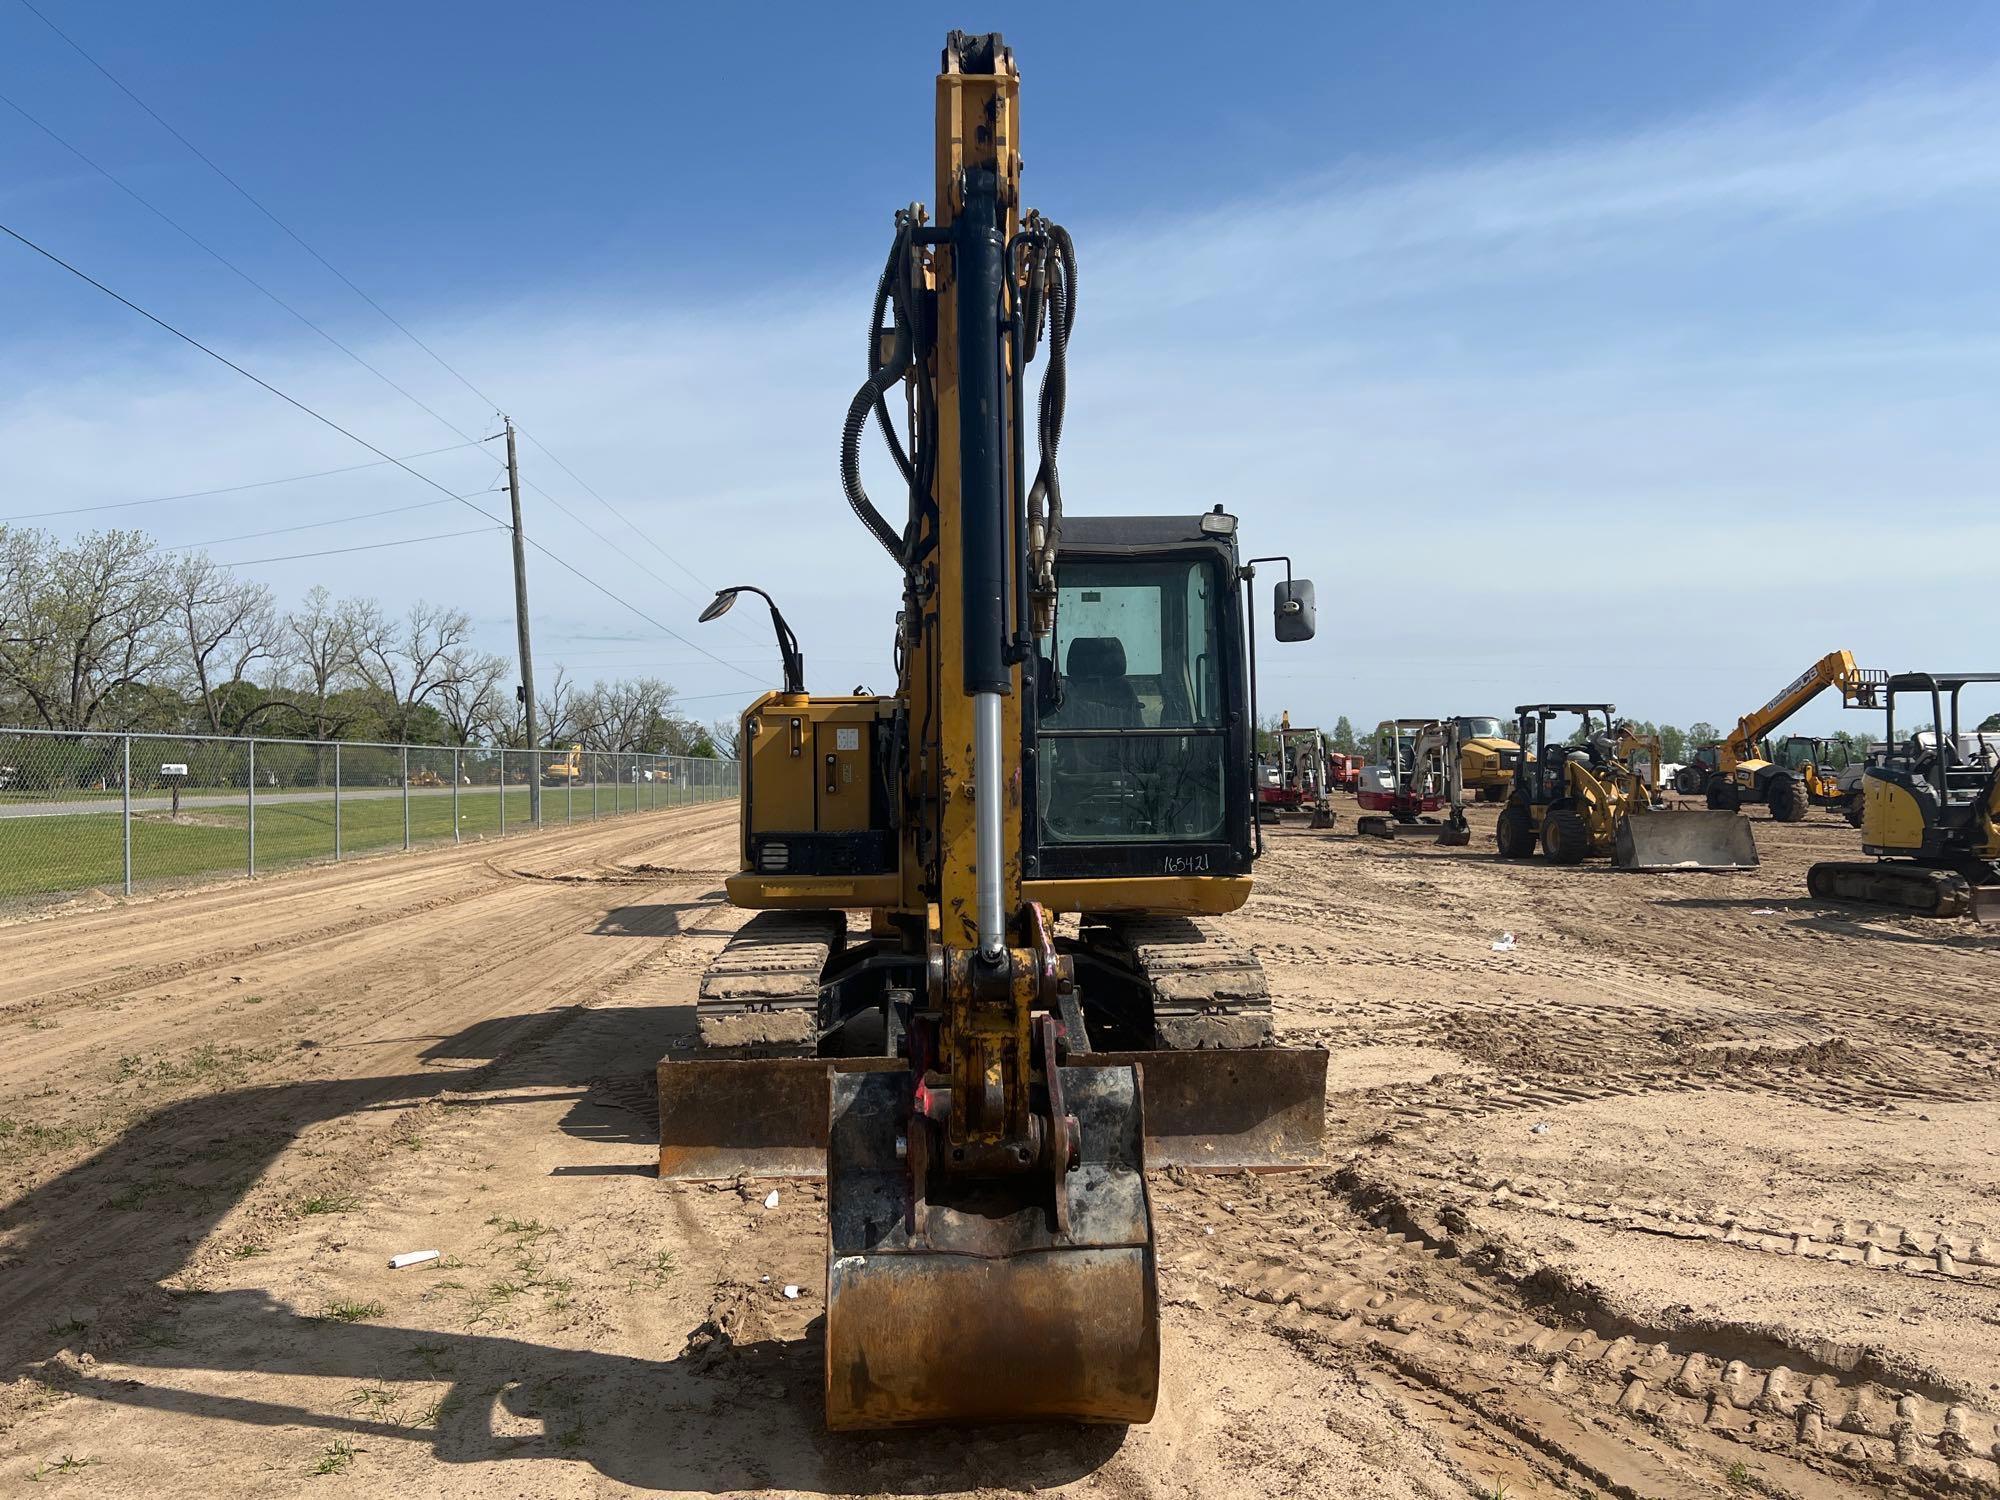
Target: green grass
60	853
350	1312
337	1455
67	1464
329	1203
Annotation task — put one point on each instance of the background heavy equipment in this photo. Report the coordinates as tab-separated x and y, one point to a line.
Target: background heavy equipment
1294	779
1072	734
1930	813
1588	800
1738	769
1343	769
1421	760
1486	756
565	772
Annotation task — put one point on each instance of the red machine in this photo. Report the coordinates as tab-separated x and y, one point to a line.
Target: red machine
1343	771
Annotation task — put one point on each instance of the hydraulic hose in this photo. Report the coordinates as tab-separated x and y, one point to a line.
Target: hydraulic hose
882	377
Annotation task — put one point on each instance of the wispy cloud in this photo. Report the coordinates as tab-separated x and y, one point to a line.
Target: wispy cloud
1642	392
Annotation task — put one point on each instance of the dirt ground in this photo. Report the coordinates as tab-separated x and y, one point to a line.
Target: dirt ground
1693	1189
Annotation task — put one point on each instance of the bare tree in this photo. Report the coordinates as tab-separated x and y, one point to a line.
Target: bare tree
404	661
80	622
555	709
316	653
727	737
227	624
470	694
630	715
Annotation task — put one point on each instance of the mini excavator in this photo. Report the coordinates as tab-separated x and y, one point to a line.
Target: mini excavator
1030	1006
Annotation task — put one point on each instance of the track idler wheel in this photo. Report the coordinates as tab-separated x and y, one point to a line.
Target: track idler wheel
953	1299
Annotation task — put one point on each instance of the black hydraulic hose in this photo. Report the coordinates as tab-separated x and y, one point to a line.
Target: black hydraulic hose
891	270
881	379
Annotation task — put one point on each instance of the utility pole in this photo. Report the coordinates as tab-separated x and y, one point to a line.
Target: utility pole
527	652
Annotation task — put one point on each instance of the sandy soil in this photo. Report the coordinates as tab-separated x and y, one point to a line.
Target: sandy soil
1693	1191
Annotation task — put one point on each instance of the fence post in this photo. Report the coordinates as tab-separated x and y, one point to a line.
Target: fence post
455	778
503	791
569	799
126	782
336	799
594	758
406	797
250	822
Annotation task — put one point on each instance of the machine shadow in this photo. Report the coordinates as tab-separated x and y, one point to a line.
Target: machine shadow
727	1417
87	1250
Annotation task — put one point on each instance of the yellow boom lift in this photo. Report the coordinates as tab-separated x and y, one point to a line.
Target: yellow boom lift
1072	733
1739	771
1930	814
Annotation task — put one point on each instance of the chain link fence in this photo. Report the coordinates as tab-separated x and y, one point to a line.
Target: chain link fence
125	812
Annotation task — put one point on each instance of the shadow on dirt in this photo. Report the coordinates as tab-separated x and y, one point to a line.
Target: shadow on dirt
87	1253
721	1417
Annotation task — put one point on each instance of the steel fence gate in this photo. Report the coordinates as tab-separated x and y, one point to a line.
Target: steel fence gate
84	811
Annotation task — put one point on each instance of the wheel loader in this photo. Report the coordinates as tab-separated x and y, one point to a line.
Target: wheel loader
1590	800
983	992
1930	813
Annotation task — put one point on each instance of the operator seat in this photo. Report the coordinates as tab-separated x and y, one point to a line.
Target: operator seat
1096	692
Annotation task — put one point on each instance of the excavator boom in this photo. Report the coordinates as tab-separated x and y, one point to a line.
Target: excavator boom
1071	733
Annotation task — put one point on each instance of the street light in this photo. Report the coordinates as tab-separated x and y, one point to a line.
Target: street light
788	644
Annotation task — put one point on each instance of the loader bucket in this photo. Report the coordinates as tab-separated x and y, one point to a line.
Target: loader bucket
968	1305
1684	841
1219	1108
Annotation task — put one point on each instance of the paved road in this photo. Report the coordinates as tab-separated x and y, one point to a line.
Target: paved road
194	801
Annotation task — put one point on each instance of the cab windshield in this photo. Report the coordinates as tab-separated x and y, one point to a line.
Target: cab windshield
1136	748
1481	729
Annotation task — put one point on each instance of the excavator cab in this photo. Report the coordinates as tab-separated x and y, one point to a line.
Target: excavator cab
1930	809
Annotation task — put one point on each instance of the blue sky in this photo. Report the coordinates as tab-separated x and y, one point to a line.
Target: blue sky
1630	352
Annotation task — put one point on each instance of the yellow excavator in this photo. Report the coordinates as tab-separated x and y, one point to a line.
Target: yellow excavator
1930	812
1600	797
1738	770
981	992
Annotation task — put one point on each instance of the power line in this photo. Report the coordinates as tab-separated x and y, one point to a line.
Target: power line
232	489
193	342
196	240
636	530
366	515
254	202
350	284
293	401
407	541
664	629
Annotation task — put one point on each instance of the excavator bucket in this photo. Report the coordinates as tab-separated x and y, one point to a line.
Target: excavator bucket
999	1304
1215	1108
1684	840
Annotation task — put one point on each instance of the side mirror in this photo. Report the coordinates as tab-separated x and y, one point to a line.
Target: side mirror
1292	610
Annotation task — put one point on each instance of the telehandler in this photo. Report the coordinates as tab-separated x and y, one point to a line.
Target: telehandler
1738	769
1589	800
1072	735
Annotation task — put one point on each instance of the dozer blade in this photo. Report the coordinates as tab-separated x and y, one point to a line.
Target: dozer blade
971	1307
1220	1108
1684	841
